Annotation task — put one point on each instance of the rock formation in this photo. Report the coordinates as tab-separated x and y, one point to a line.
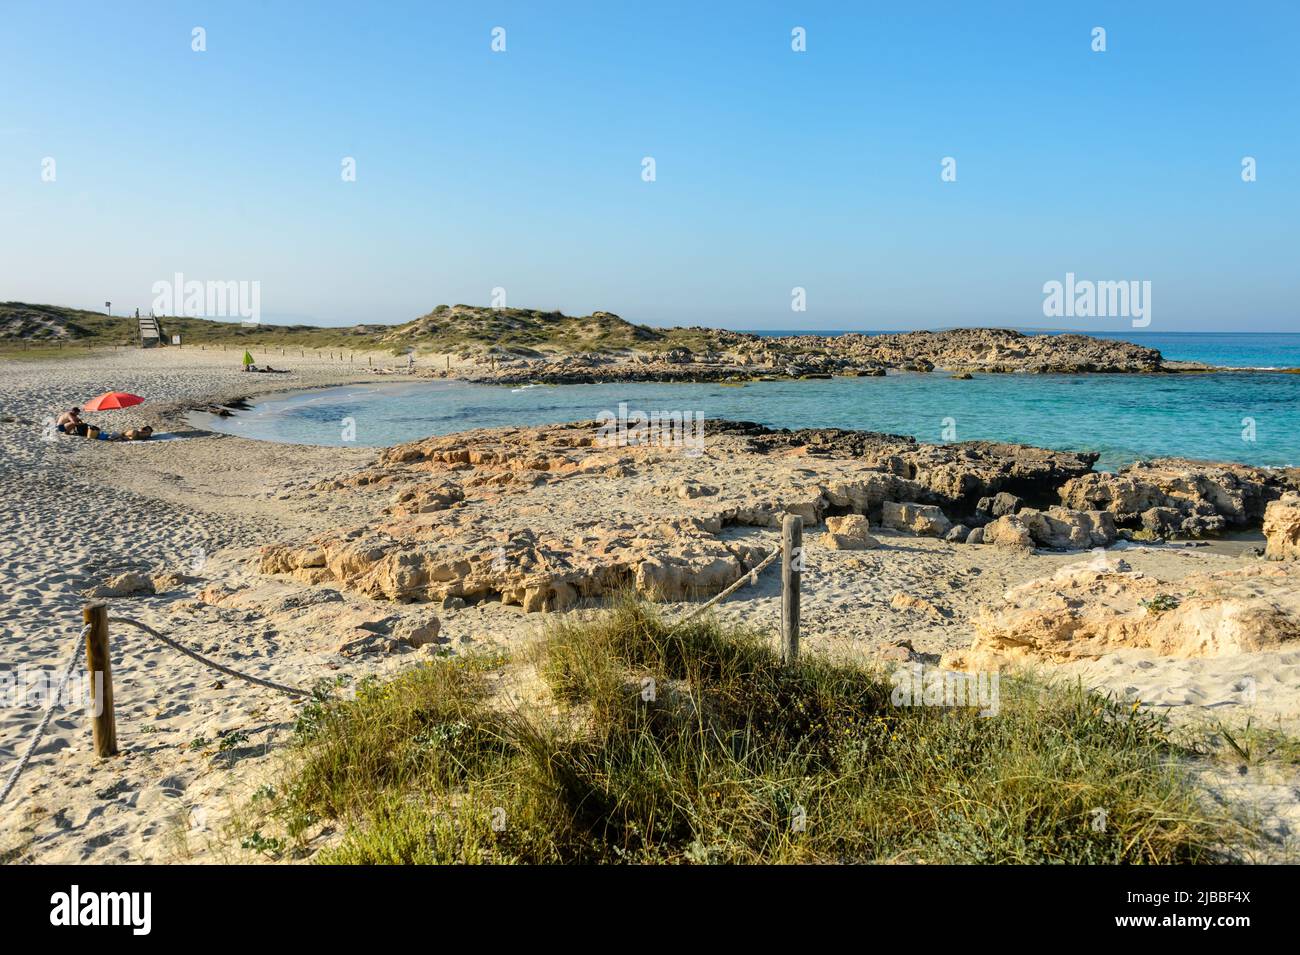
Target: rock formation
1057	528
923	519
1175	497
1083	612
849	532
549	516
727	355
1282	529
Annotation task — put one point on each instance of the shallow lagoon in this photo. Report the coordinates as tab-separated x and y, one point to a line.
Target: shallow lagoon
1124	417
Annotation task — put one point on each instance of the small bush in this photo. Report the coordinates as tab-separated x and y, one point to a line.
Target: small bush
693	743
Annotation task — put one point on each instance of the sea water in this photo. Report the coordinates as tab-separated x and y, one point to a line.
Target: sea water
1252	417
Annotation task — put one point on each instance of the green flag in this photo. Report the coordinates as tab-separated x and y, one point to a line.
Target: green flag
248	359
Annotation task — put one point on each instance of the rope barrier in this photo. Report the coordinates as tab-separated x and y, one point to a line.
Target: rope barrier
49	715
750	577
256	681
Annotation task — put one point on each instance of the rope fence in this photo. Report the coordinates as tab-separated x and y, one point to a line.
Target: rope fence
749	577
95	635
45	721
212	664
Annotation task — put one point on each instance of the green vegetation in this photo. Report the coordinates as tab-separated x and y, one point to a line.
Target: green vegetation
733	758
1160	603
29	330
1250	744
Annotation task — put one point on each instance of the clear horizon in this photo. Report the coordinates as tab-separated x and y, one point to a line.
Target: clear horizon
522	169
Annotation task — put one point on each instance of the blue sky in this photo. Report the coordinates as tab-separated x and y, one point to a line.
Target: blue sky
775	169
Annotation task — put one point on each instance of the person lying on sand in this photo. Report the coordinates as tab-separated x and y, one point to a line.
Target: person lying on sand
134	434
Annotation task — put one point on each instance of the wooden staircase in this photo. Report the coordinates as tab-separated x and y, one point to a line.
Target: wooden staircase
150	332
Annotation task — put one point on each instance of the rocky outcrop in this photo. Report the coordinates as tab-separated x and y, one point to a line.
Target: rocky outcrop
1057	528
1171	497
670	561
993	350
998	505
547	517
740	356
1282	529
1007	531
1083	612
954	476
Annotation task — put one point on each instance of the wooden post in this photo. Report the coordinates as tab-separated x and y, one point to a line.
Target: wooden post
791	565
99	663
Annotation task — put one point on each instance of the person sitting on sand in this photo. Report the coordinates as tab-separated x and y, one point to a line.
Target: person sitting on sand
69	421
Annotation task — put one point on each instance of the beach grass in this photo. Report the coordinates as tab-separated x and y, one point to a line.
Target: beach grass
31	331
650	742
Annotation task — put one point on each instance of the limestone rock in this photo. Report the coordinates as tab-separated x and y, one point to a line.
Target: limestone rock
1057	528
958	534
670	561
172	580
689	490
849	533
416	633
735	355
999	505
951	475
1084	612
1282	529
1176	497
923	519
1009	531
130	584
425	498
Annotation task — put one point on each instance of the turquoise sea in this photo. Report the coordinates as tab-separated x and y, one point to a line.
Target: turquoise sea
1248	416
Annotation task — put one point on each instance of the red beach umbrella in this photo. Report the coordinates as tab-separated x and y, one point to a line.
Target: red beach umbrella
111	400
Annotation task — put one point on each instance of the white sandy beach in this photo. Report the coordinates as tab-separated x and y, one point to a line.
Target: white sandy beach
78	512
